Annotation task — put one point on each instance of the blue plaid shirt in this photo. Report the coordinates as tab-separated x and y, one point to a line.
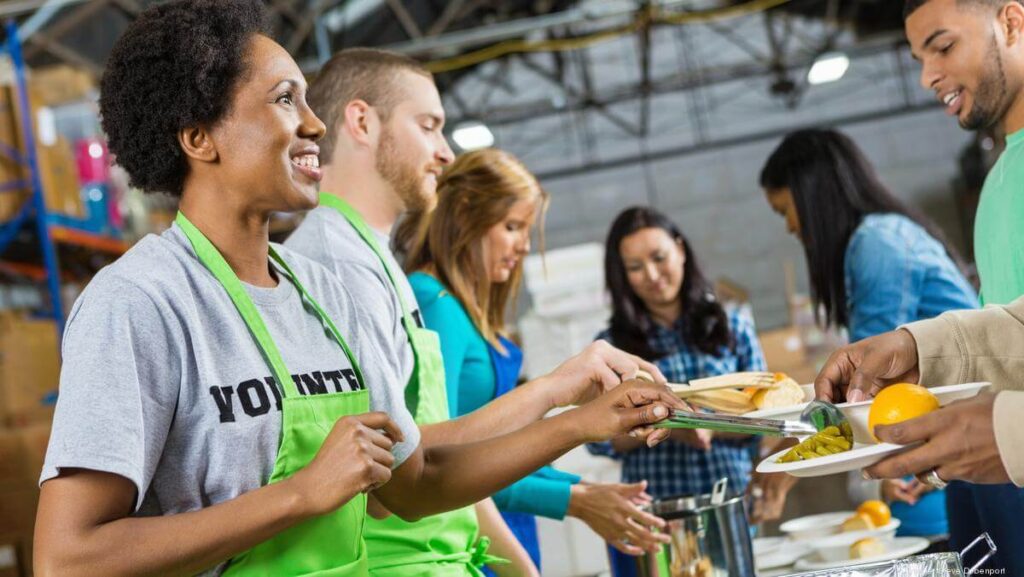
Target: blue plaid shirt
673	468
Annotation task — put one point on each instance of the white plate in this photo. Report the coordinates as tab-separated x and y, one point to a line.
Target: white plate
857	413
859	457
784	555
765	545
848	538
837	547
815	526
896	549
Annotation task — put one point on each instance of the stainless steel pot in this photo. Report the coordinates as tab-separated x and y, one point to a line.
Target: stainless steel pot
708	540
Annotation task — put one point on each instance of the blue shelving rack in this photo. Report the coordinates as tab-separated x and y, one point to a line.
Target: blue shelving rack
34	209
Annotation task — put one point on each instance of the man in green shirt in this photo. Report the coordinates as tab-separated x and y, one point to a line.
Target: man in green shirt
972	56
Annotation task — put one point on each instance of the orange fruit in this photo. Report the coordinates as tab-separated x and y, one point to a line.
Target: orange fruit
898	403
877	510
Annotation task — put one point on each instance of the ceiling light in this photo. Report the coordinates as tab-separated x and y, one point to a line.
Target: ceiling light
828	67
473	136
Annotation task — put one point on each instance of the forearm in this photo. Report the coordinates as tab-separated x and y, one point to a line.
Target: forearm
182	544
457	475
535	495
1009	434
510	412
503	543
966	346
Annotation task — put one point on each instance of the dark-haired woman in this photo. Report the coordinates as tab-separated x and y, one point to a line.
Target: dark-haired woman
665	310
874	264
216	392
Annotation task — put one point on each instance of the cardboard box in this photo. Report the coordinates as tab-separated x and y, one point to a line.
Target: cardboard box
10	169
22	451
58	171
34	441
61	84
29	369
18	506
18	503
783	348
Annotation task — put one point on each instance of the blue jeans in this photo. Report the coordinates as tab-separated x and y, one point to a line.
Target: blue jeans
995	509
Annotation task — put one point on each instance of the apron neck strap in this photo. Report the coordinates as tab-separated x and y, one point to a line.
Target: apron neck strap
325	320
214	261
356	220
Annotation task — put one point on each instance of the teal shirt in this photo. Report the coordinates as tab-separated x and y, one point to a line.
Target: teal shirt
470	383
998	242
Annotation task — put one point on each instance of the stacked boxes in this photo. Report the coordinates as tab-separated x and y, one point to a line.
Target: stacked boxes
58	170
29	373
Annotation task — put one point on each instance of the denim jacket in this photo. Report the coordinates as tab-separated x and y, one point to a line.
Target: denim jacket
897	273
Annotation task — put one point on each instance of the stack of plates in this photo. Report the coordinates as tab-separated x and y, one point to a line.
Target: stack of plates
816	542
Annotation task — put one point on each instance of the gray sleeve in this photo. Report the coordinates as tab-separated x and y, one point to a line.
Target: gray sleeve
118	385
379	355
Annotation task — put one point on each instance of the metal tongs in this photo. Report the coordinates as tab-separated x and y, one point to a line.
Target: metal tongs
815	417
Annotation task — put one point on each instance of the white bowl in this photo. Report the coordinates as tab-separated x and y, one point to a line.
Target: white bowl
815	526
857	413
837	547
766	545
896	549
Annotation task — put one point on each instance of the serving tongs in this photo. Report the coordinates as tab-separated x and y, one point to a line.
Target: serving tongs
816	417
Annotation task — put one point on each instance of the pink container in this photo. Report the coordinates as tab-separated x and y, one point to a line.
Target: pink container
93	161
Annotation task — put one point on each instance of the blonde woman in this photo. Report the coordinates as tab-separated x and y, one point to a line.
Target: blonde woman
465	259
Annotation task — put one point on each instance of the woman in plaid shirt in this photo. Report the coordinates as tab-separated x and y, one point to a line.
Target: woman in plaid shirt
664	310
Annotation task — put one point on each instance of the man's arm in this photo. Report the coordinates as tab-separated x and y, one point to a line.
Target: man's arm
456	475
600	367
969	346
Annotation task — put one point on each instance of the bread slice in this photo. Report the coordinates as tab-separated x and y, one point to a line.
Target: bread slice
858	522
785	393
869	547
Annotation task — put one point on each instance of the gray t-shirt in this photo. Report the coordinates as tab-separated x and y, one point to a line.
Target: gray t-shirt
330	239
163	384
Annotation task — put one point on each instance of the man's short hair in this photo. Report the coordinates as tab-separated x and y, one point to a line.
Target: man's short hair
368	74
909	6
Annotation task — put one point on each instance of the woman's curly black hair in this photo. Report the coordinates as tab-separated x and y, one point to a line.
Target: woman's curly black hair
176	66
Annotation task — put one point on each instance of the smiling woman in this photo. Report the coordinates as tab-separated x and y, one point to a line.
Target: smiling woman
196	365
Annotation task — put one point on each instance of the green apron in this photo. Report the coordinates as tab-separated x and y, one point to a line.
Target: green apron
330	545
440	545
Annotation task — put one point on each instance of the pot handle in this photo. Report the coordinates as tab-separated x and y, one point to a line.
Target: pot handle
719	490
988	555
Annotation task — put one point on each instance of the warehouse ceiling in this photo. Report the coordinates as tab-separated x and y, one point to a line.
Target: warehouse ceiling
81	32
595	82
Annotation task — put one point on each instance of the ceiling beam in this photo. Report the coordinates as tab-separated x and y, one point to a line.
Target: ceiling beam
707	76
19	7
727	142
451	11
68	23
405	19
307	25
73	57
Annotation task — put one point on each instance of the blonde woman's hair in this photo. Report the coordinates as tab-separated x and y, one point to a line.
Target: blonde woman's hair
474	194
